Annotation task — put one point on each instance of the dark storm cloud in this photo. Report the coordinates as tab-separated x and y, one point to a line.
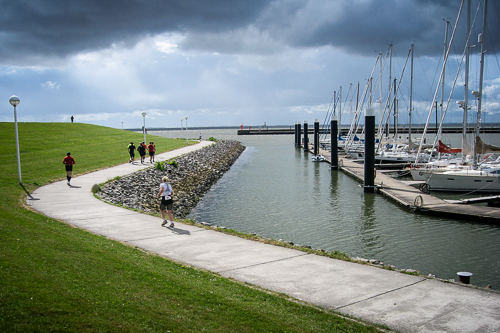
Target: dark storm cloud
44	28
36	30
362	27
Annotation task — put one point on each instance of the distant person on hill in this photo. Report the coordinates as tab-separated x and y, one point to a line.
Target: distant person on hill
72	118
131	151
142	151
166	193
200	136
151	149
68	162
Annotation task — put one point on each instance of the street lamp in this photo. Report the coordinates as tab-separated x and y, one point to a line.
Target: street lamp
14	101
181	124
186	129
144	126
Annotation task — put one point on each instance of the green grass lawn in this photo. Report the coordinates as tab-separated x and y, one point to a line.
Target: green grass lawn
57	278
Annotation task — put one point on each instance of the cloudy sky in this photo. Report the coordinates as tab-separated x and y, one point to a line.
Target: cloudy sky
232	62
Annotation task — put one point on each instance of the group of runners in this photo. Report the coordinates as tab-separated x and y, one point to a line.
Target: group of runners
166	191
151	148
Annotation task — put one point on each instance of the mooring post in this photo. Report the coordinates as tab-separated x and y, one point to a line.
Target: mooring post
369	150
464	277
316	137
299	134
306	139
334	143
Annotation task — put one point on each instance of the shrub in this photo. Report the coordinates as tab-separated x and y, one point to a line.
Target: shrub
95	188
159	166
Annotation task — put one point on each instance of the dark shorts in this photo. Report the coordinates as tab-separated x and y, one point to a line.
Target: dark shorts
142	154
132	154
151	153
166	204
68	167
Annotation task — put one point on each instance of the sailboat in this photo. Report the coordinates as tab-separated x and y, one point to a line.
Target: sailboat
480	176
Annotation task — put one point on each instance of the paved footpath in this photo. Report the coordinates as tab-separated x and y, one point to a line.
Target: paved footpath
403	302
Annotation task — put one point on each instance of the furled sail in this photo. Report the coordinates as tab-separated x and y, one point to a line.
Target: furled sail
442	148
482	148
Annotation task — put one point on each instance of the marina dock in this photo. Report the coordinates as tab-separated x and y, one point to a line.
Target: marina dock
412	198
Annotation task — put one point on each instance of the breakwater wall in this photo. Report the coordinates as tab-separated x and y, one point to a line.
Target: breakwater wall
190	175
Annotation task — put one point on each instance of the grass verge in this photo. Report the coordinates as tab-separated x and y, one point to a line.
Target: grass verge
57	278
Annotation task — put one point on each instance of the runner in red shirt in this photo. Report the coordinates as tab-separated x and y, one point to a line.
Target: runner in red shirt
151	149
68	161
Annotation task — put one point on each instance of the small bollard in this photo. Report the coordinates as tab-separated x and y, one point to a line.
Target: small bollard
464	277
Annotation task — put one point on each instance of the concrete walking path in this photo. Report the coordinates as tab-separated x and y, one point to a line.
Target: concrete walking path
403	302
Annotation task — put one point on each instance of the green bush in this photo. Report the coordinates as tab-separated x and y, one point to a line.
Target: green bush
96	188
159	166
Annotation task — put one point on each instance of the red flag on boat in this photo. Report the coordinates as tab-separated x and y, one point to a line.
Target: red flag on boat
442	148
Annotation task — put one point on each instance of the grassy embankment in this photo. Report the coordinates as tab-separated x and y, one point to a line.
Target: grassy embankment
54	277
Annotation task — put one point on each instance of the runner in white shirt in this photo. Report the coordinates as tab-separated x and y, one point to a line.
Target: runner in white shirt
166	193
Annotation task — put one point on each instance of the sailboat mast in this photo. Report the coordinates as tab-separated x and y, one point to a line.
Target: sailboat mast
444	65
340	105
395	113
479	94
466	84
380	91
411	96
482	38
389	91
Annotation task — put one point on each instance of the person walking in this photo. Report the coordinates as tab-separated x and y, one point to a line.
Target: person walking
68	162
166	193
142	151
152	150
131	151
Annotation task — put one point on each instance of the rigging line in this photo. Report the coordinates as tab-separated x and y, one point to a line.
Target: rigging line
354	124
437	88
436	73
391	100
423	71
328	112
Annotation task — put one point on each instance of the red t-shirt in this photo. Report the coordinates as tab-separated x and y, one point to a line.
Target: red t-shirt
151	148
68	160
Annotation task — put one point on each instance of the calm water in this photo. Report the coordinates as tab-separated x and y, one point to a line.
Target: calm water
274	190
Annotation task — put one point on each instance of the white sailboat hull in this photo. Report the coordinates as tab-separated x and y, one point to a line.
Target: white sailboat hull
463	181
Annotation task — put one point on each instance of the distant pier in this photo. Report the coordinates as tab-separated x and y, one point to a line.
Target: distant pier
416	129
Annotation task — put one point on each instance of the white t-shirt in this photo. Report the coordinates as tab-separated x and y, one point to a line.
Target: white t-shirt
167	190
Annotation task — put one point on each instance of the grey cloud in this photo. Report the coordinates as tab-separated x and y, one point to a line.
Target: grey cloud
362	27
357	27
32	31
57	28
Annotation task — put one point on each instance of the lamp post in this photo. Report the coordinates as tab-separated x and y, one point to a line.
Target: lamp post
186	129
14	101
182	119
144	126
